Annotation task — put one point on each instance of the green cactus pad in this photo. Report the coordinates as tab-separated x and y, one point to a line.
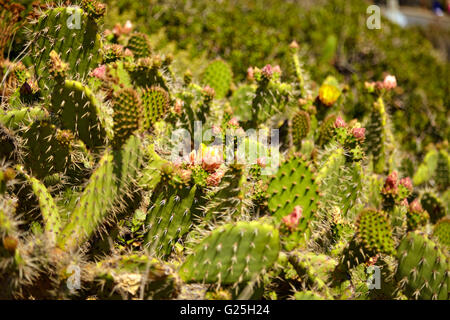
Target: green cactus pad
156	104
374	232
45	154
79	111
376	136
301	124
47	206
79	46
326	130
233	253
433	205
139	44
307	295
127	114
121	276
107	185
341	182
316	268
442	232
14	119
218	75
293	185
168	219
423	270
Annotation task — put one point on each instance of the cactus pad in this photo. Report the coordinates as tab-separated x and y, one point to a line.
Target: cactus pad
233	253
423	270
218	75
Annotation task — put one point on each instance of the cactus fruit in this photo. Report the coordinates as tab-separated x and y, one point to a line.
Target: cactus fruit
139	44
442	232
156	102
423	270
301	124
218	75
233	253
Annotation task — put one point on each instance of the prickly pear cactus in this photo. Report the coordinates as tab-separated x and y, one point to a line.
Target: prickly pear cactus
233	253
218	75
423	270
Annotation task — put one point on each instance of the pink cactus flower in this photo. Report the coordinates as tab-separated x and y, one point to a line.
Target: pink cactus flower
127	27
277	70
215	178
262	162
407	183
339	123
185	175
99	72
415	206
389	82
117	29
359	133
211	158
209	92
405	202
178	107
233	122
250	73
128	53
292	220
267	71
390	185
192	158
216	129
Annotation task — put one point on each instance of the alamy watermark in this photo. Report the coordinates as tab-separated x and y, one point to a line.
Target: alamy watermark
374	20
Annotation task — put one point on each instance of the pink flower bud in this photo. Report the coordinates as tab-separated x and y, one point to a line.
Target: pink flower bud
211	158
339	123
250	74
277	70
389	82
233	122
359	133
267	71
407	183
99	72
185	175
178	107
415	206
128	53
391	182
215	178
128	26
405	202
261	162
291	221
